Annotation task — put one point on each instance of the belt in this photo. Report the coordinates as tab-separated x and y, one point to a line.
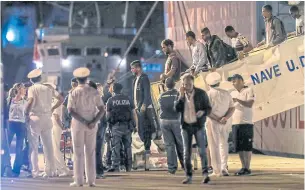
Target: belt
121	122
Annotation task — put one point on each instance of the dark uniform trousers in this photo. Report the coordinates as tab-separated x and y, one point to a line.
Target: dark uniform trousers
100	138
145	128
108	139
121	133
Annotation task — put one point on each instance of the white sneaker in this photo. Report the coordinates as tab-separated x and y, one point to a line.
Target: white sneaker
42	174
215	175
64	174
92	185
53	174
74	184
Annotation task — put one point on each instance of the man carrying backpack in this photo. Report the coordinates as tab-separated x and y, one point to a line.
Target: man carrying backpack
275	30
218	52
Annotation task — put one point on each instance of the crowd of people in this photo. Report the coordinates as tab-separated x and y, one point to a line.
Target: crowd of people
37	112
214	53
209	116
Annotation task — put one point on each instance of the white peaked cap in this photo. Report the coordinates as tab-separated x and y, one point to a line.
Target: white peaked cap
81	72
213	78
34	73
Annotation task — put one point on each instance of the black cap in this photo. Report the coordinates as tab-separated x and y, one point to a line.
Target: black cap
170	83
74	80
236	76
27	84
117	87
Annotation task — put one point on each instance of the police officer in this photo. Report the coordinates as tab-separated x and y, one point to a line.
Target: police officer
39	110
83	103
121	115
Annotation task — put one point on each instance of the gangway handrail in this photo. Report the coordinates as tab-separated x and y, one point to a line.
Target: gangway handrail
265	48
249	54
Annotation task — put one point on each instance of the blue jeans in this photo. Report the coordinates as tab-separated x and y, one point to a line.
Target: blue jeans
100	139
187	135
173	143
18	129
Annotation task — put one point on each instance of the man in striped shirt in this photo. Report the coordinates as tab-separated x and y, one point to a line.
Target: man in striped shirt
199	56
239	42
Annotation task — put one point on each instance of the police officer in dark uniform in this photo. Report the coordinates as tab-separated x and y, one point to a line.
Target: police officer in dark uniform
122	117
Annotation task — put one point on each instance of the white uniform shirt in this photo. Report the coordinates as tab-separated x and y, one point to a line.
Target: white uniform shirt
242	114
199	56
220	101
85	100
42	98
299	25
58	111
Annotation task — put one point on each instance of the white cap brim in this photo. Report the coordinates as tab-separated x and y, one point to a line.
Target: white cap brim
35	73
213	78
81	72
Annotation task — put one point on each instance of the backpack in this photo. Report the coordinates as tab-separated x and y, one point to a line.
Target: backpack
230	51
282	25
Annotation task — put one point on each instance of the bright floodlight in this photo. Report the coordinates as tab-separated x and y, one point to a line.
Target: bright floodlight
38	64
105	54
10	35
124	62
66	63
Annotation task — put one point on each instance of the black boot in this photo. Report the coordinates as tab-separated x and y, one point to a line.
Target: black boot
114	169
187	180
206	180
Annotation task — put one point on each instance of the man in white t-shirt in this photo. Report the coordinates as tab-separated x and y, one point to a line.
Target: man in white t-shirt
299	21
242	123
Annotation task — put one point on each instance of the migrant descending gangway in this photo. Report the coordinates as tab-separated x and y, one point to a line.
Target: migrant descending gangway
276	75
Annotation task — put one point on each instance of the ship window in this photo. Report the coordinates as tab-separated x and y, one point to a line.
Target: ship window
152	67
116	51
99	66
93	51
53	51
89	66
74	51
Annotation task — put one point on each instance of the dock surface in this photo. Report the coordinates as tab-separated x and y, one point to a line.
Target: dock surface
268	173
